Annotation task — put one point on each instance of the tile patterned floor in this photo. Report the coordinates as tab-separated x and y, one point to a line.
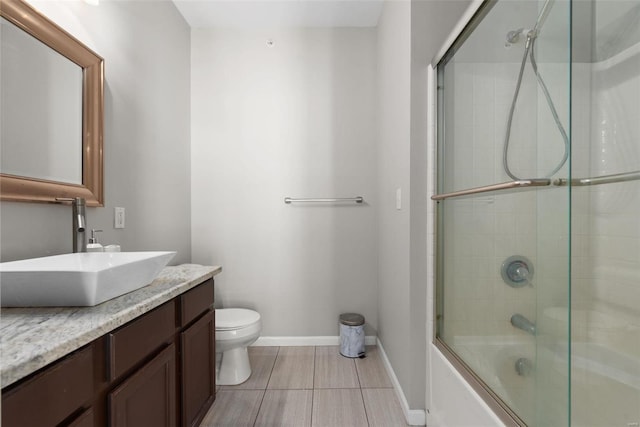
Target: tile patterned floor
309	386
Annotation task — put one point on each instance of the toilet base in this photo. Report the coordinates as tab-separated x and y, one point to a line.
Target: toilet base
234	367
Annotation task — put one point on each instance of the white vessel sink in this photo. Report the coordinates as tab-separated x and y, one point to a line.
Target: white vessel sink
78	279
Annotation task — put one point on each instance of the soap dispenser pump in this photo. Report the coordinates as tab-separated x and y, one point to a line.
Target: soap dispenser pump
93	245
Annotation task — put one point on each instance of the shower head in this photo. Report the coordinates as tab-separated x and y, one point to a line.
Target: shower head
542	16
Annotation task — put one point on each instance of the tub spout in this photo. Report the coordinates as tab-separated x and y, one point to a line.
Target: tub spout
521	322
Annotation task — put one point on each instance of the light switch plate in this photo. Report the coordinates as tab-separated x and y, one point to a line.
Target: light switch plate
118	221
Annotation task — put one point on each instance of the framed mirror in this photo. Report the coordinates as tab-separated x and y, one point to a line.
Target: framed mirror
52	111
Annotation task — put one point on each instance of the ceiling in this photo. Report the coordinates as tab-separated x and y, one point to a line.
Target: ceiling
280	13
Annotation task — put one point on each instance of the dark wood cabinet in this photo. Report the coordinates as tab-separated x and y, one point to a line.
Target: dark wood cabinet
85	419
52	395
148	397
195	302
157	370
198	357
132	343
198	369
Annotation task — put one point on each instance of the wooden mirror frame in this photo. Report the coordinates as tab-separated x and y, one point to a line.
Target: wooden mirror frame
28	189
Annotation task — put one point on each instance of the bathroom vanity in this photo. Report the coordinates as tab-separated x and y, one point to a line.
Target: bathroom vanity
145	358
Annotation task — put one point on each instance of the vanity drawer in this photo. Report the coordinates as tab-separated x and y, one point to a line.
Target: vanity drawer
136	340
195	302
52	394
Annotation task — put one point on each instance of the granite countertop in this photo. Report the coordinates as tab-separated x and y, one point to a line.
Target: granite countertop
33	337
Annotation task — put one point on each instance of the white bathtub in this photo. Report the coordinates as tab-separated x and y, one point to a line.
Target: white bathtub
605	383
493	359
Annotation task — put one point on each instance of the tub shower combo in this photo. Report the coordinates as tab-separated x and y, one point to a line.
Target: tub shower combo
538	210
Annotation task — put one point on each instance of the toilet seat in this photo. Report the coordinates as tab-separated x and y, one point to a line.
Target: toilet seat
229	319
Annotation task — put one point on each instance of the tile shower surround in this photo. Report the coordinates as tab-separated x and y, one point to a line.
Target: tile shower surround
309	386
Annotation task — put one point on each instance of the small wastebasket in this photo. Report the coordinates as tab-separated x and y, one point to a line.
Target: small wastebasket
352	335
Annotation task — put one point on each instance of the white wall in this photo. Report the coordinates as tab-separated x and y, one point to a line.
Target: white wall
409	33
394	60
296	119
146	140
431	22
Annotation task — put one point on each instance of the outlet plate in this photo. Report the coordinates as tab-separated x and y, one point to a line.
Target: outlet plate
118	217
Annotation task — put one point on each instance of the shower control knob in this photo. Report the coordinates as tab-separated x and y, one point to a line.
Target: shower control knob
517	271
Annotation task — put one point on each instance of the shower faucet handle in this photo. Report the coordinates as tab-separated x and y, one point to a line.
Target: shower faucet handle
517	271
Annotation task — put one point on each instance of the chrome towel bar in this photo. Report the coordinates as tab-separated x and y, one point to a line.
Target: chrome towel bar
358	199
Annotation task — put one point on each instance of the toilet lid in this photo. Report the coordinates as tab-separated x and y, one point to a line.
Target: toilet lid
234	318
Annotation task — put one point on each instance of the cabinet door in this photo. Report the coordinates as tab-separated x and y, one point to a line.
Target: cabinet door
148	397
198	369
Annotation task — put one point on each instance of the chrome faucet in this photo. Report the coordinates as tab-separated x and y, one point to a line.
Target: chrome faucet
521	322
78	205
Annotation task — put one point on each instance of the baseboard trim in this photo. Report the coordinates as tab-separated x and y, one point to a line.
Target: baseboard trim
414	417
306	341
433	420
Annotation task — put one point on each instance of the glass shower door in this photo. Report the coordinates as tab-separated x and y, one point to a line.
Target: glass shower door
606	215
503	294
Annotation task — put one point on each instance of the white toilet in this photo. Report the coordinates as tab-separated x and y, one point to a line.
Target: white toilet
236	329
